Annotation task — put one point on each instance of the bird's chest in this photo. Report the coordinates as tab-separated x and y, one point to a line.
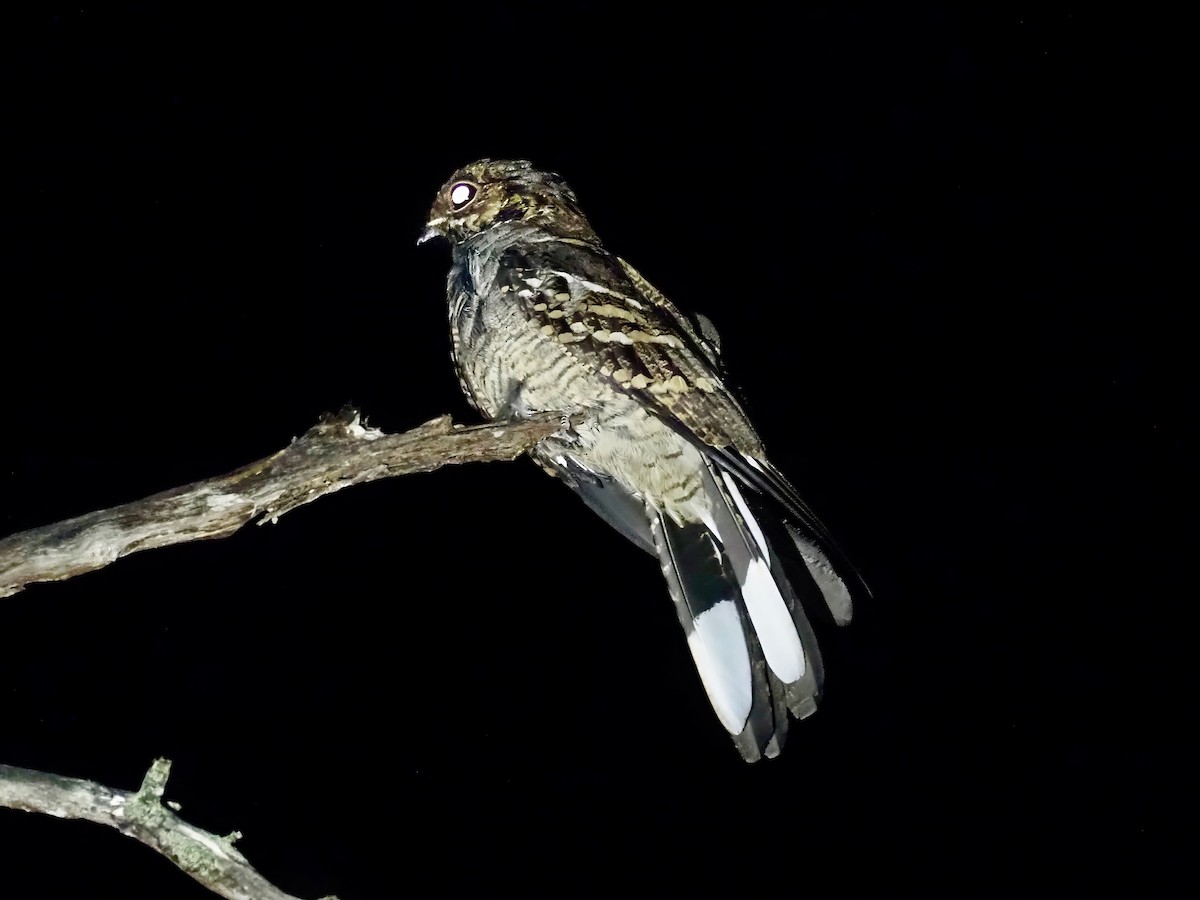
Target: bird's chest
512	366
506	364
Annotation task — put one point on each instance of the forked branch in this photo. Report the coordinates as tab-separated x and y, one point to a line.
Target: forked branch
335	453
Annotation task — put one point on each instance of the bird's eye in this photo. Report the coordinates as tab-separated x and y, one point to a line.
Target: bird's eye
462	194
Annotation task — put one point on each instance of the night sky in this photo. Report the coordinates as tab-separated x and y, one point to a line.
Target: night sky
946	257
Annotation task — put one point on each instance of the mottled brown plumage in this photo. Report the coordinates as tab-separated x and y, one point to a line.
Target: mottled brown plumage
544	317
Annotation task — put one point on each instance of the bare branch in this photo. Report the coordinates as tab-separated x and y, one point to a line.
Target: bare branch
211	860
335	453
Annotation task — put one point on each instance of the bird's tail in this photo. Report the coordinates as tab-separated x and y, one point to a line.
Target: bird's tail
752	643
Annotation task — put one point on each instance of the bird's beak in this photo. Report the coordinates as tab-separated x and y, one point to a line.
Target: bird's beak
432	230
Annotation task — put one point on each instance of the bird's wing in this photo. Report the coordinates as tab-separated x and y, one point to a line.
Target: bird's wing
582	295
619	327
699	328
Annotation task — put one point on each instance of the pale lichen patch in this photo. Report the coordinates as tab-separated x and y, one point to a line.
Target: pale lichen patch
222	502
355	428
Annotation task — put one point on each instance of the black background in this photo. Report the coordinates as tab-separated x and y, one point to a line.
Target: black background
946	255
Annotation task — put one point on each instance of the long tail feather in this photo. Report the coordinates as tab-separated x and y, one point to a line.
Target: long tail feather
736	580
692	564
833	589
781	622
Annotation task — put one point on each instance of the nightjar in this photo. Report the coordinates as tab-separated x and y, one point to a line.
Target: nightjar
544	318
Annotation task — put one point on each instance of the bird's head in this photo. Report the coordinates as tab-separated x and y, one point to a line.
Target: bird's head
489	192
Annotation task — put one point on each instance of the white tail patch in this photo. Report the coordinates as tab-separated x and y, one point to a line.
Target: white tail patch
719	649
773	623
744	509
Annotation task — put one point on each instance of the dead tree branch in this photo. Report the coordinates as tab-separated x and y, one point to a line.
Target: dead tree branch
335	453
211	860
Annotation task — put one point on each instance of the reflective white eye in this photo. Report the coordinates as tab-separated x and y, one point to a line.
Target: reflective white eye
462	194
